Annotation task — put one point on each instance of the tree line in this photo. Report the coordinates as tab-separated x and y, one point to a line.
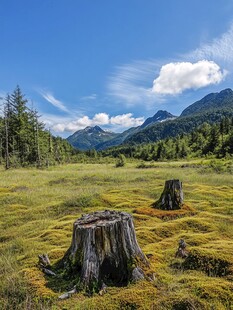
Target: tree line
206	140
24	141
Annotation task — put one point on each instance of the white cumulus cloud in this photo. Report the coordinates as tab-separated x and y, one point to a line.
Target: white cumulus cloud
101	119
175	77
126	120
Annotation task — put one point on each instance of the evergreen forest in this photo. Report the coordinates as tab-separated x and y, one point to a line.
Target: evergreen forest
207	140
24	140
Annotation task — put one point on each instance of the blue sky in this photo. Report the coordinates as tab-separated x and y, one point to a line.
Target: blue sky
114	63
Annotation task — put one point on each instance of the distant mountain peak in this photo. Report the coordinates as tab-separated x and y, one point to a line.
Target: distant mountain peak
160	116
97	128
89	137
226	91
211	101
92	129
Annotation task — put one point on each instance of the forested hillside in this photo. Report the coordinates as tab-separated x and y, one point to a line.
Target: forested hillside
179	126
23	138
207	139
213	101
212	108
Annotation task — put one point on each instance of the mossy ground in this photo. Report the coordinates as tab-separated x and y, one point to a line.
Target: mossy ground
38	208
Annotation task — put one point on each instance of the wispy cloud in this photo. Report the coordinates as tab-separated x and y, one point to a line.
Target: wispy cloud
131	83
60	125
219	49
90	97
48	96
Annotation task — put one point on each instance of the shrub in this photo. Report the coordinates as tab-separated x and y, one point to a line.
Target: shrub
120	162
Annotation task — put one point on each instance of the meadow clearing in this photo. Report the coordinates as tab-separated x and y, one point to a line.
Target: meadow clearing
38	208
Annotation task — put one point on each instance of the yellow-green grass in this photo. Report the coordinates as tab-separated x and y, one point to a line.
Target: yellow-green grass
38	208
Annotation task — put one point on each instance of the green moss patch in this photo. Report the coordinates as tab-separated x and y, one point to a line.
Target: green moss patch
212	265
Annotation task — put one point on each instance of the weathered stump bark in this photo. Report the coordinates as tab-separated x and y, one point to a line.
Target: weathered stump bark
172	196
104	250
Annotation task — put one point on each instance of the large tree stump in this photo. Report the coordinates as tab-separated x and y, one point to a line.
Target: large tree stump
104	250
172	196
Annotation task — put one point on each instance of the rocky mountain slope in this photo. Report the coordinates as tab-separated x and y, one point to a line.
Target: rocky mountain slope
159	117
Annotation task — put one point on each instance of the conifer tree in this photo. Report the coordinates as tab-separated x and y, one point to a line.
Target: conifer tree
7	116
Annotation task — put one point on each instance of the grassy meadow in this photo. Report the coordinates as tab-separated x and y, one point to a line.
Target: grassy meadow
38	208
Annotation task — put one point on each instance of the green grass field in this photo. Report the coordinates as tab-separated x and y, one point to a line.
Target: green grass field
38	208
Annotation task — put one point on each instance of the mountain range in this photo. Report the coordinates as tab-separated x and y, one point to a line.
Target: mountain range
163	124
99	139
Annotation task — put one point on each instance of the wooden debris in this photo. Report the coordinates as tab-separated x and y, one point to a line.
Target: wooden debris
44	265
68	294
44	260
48	272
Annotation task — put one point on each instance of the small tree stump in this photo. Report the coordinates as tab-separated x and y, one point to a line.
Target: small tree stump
181	251
172	196
103	251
